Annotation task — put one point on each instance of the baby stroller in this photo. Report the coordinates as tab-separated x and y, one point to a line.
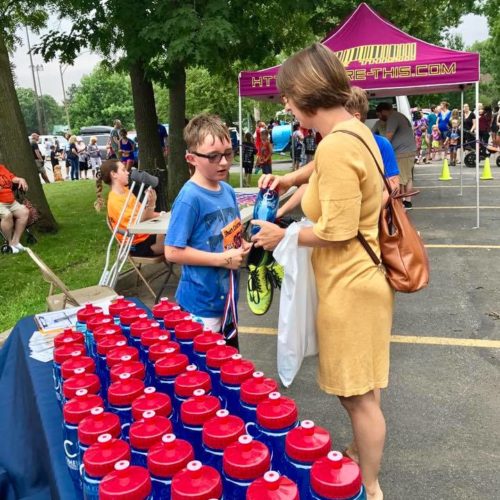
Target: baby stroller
485	151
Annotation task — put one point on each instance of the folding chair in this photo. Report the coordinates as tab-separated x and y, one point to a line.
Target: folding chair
68	298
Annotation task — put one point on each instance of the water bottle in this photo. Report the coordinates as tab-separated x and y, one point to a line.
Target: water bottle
203	343
119	355
303	446
162	308
151	400
78	363
232	374
272	486
128	316
84	314
93	425
254	390
165	459
196	481
137	329
134	368
185	333
243	462
336	477
146	432
81	380
149	338
218	433
160	349
93	324
276	417
104	346
173	317
102	332
74	411
266	207
99	460
69	336
216	357
194	413
121	394
129	482
166	369
118	306
61	354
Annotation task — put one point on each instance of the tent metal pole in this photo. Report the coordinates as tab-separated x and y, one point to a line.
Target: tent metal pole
461	140
477	155
240	145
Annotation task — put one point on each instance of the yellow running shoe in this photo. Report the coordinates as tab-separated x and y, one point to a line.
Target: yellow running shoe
259	290
275	272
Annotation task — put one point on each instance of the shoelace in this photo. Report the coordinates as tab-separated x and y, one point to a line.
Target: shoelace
275	278
254	285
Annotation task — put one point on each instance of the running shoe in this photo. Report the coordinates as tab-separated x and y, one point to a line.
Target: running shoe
275	272
259	287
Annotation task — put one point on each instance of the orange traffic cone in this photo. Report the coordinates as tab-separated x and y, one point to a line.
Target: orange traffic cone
486	170
445	172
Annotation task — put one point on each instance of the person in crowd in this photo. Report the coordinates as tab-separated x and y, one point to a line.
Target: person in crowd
114	140
83	158
453	141
205	231
265	153
55	156
310	145
468	123
399	131
431	121
163	136
39	159
72	157
261	126
437	143
13	215
455	115
94	155
127	148
420	128
47	145
494	126
380	126
443	123
344	196
115	174
485	118
249	151
297	146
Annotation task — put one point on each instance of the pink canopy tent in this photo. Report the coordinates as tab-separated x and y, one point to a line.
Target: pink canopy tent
385	61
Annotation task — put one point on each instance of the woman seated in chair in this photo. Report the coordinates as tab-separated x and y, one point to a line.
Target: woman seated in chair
115	174
13	215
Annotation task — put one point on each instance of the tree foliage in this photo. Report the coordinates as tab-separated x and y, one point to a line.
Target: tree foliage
53	112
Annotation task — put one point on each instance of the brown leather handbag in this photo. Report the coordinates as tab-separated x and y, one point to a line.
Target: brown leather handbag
403	254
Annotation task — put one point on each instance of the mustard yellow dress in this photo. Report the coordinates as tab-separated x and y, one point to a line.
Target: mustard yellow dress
355	301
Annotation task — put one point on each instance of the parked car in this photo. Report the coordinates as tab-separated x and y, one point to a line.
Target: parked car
52	138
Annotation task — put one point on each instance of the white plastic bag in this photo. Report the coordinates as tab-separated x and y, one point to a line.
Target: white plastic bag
298	303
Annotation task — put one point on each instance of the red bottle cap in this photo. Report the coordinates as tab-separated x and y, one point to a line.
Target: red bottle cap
171	365
148	431
190	380
127	482
106	331
335	476
68	351
131	314
124	391
151	400
188	330
218	355
200	407
196	481
100	458
120	304
276	412
69	336
246	459
76	409
222	430
272	486
307	442
109	343
120	354
86	312
98	321
97	423
163	348
89	381
134	368
152	336
204	342
236	370
257	388
163	307
169	456
137	328
173	317
80	362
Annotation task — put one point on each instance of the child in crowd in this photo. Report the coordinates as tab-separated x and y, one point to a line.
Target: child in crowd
249	150
205	230
94	154
453	141
310	145
420	127
54	161
265	153
297	146
436	141
127	147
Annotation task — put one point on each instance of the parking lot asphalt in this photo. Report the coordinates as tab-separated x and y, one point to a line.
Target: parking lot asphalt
442	405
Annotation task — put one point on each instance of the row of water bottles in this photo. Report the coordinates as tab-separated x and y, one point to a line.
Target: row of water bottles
162	408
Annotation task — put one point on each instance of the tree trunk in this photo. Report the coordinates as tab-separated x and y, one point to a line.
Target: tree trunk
15	151
178	172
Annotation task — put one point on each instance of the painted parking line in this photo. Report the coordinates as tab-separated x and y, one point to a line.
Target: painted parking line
448	186
466	207
400	339
483	247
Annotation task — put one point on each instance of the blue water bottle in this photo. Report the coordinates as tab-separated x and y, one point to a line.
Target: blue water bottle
202	344
99	460
134	368
185	333
252	391
116	356
165	459
272	486
81	380
172	318
163	307
102	332
76	365
118	306
166	371
61	354
84	314
164	347
336	477
232	374
128	316
69	336
152	400
137	329
126	481
197	481
216	357
95	323
303	446
266	207
104	346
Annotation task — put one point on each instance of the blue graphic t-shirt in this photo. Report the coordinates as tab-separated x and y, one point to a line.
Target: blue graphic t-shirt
388	156
209	221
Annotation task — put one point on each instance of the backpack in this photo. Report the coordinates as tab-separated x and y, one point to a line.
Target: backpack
403	254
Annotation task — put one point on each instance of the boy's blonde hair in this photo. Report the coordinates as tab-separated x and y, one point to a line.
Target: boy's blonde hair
93	139
358	103
204	125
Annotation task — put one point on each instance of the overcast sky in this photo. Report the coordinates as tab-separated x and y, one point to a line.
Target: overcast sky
473	28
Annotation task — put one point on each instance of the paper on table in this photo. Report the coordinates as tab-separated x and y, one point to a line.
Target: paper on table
41	346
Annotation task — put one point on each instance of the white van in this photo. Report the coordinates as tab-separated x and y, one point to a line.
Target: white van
399	102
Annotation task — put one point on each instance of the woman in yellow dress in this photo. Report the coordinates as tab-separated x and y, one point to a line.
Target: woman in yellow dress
344	196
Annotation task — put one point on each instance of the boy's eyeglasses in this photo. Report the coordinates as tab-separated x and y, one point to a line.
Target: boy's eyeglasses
215	158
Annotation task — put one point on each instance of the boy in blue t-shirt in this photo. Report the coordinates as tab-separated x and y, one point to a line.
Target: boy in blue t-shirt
205	230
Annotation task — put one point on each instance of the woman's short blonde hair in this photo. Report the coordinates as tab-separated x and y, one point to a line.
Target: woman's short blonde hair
202	126
314	78
93	139
358	102
72	139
